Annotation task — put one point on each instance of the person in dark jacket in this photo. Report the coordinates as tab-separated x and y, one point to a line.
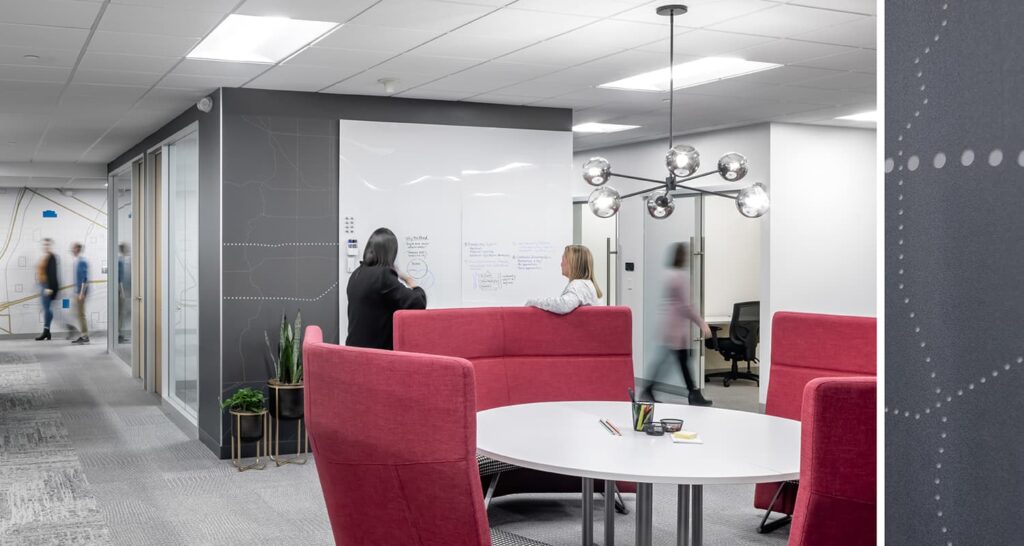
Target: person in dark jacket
49	286
81	292
376	290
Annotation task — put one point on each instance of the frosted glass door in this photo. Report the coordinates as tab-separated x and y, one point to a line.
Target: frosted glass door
182	300
660	236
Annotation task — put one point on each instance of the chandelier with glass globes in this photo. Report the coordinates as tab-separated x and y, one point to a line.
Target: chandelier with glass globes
682	162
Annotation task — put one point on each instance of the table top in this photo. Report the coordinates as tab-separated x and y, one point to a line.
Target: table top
567	438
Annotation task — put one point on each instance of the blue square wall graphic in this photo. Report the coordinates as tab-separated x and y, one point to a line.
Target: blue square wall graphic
49	214
65	303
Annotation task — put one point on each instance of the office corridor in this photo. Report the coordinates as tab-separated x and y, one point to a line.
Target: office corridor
87	457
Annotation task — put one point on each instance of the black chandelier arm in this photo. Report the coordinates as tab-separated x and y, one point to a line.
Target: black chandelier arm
695	176
710	192
651	180
641	192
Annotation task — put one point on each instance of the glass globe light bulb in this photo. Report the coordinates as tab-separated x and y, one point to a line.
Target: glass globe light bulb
604	202
752	201
732	166
660	204
682	160
597	171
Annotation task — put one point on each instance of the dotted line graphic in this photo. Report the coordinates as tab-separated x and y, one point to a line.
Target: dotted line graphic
911	164
279	245
282	298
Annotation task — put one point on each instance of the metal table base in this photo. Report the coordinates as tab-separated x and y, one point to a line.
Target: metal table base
689	514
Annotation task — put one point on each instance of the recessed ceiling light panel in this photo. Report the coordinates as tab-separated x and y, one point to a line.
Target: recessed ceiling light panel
691	74
863	116
601	128
253	39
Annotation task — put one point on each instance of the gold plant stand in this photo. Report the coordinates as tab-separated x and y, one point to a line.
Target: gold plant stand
236	442
301	436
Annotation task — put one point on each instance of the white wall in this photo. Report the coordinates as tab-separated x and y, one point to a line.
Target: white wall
726	278
819	239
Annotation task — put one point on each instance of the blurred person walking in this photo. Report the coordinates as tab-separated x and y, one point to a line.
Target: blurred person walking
49	286
81	291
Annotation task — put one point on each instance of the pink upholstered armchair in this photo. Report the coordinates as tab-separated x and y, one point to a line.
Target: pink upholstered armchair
836	501
394	438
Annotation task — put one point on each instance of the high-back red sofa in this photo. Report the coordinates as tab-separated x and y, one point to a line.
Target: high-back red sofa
807	346
522	355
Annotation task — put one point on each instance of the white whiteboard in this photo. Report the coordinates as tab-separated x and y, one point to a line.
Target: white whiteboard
481	213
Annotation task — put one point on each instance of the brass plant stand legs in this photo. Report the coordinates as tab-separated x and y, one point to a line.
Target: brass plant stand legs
301	444
236	446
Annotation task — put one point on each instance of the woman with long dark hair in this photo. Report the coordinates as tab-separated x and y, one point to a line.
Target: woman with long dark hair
376	290
49	286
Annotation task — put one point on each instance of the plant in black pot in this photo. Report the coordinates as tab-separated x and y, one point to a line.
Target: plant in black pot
286	401
286	389
248	410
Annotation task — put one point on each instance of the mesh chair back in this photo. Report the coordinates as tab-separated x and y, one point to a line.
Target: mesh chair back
745	327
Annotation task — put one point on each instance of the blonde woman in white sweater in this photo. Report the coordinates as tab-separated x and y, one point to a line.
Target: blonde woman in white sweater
578	267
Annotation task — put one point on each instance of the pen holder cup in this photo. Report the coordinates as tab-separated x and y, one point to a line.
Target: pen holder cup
643	413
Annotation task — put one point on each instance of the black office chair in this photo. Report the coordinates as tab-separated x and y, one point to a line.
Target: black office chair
744	332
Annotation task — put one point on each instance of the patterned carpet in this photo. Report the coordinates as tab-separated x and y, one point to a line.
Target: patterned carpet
44	495
88	457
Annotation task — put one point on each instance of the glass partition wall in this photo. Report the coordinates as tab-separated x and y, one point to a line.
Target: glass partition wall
121	326
180	296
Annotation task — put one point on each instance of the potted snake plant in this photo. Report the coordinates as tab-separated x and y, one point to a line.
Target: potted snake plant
286	400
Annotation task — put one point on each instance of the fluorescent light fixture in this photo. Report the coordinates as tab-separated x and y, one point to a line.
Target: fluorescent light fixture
693	73
252	39
601	128
871	116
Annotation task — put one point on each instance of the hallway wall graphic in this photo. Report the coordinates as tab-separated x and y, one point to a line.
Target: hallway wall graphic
27	215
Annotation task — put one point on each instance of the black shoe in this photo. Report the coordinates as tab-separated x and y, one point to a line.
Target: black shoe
696	398
44	335
82	340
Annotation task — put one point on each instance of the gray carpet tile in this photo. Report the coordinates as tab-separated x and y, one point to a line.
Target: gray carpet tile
119	471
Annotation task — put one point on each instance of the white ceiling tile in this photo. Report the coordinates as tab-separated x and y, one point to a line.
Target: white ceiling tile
291	77
860	33
420	14
783	21
846	81
784	51
701	12
28	97
858	60
340	61
540	89
706	43
530	26
141	44
116	77
856	6
127	63
434	95
591	8
32	36
427	65
462	43
499	98
621	65
47	57
206	5
34	73
57	13
118	96
202	83
492	3
785	75
590	42
311	10
164	21
366	83
370	38
196	67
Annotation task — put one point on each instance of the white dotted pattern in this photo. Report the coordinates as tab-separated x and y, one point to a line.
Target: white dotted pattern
281	298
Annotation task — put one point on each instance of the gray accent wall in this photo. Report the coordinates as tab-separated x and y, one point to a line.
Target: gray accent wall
280	213
954	355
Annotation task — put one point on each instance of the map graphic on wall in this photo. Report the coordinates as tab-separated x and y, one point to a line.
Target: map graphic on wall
28	215
481	213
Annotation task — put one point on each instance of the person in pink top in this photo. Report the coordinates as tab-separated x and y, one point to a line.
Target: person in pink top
678	314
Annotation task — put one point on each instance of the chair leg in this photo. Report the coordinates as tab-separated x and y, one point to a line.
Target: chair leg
490	490
768	527
620	504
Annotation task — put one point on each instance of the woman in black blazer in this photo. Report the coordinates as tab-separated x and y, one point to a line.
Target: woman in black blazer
375	293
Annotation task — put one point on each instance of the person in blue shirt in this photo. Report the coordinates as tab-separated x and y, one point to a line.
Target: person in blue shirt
81	291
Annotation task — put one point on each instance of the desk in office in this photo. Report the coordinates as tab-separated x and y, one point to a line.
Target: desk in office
567	438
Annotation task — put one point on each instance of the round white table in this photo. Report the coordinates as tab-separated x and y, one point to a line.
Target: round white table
568	438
